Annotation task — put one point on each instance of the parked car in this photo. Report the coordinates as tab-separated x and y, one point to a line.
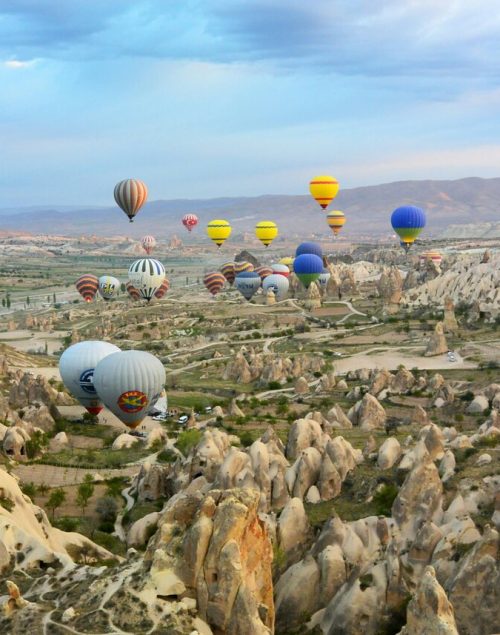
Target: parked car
182	419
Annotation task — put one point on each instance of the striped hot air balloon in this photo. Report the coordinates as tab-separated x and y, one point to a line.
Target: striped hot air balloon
227	271
219	231
214	281
190	221
132	291
148	244
130	195
266	231
408	221
240	267
324	189
146	275
335	220
435	256
87	286
280	269
162	289
264	272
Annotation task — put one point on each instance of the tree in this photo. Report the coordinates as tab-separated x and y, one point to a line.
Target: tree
54	298
29	489
114	487
3	302
56	499
85	492
7	301
107	509
43	488
28	300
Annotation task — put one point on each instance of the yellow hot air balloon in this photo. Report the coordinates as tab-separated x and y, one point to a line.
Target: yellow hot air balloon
288	261
266	231
335	220
324	189
218	231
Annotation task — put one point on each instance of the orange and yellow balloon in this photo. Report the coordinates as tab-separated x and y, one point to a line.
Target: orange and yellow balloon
335	220
324	189
266	231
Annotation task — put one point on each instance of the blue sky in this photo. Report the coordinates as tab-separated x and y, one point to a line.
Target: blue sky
205	98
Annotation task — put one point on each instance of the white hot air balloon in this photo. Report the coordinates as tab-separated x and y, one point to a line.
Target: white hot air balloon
76	366
324	277
146	275
108	287
281	269
278	283
129	384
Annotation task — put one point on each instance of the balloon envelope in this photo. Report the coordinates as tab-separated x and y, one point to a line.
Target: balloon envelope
335	220
309	248
324	189
324	276
241	266
308	268
162	289
129	383
247	283
214	281
219	231
132	291
87	286
190	221
148	244
266	231
130	195
264	271
279	284
288	261
76	366
146	275
108	287
228	272
281	269
408	221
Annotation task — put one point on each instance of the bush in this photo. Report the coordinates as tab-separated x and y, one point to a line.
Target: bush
246	439
187	440
67	523
384	498
167	456
274	385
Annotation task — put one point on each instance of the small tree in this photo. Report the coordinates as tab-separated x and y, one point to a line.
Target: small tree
54	298
29	489
85	492
28	300
56	499
107	509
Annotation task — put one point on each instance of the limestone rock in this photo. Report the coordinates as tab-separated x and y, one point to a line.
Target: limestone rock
478	405
390	285
389	453
450	323
437	344
368	413
293	526
301	386
124	440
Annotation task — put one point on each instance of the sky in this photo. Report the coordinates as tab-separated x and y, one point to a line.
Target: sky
209	98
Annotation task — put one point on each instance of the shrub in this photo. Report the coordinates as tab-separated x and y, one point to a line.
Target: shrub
274	385
384	498
187	440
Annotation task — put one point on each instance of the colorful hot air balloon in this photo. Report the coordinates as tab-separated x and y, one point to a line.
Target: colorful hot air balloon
247	283
335	220
266	231
288	261
132	291
130	195
308	268
278	283
324	276
146	275
87	286
148	244
227	271
218	231
108	287
309	248
76	366
324	189
435	256
281	269
408	221
129	384
162	289
241	266
264	272
214	281
190	221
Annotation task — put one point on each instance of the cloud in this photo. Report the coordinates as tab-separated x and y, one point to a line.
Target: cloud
15	64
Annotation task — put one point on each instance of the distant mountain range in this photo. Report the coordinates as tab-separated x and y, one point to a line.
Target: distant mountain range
368	210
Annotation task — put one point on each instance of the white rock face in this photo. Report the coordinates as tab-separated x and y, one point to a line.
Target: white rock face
478	405
483	460
124	440
389	453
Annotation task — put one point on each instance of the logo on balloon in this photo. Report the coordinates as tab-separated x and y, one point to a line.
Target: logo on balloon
87	381
132	401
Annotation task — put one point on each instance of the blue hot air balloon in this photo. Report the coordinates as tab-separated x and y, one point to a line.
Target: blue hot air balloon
309	248
408	221
247	283
308	268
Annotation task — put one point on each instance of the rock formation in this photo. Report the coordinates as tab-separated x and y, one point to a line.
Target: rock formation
437	344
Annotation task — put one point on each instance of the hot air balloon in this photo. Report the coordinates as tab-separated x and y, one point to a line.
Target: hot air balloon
214	281
324	189
278	283
266	231
218	231
146	275
87	286
76	366
288	261
335	220
309	248
264	272
308	268
435	256
129	384
132	291
324	276
247	283
130	195
190	221
280	269
162	289
148	244
408	221
227	271
108	287
241	266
